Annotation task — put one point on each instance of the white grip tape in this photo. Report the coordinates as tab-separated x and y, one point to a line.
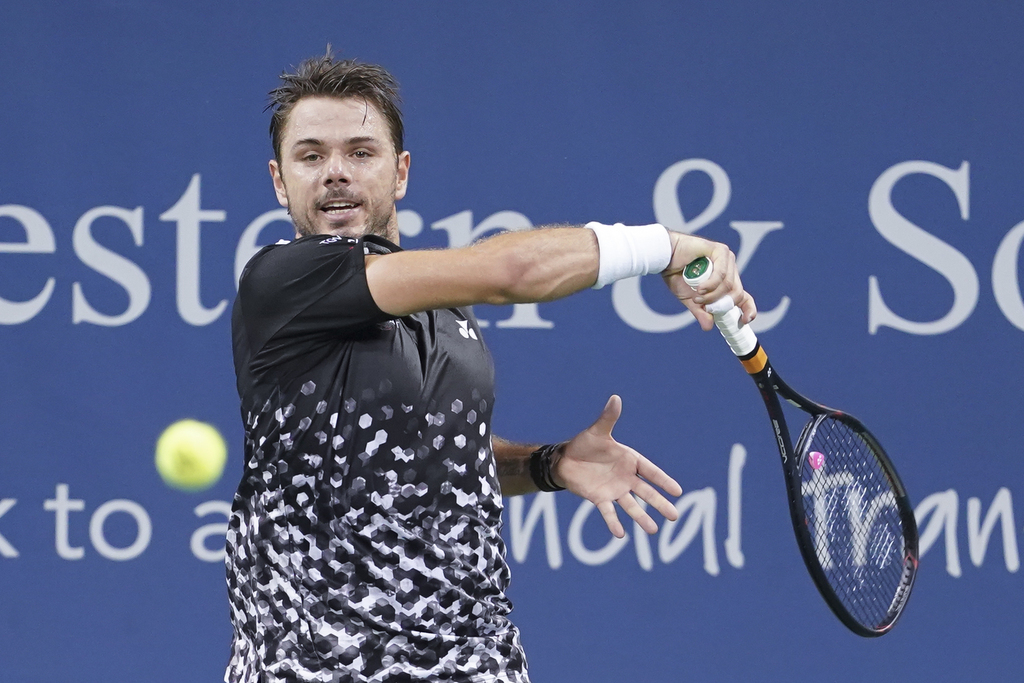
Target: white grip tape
741	339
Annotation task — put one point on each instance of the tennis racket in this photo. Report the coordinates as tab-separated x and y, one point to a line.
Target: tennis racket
853	521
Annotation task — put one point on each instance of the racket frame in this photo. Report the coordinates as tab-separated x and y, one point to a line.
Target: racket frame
746	347
771	387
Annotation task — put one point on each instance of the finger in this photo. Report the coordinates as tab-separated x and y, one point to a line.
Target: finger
650	495
677	285
712	284
725	267
609	416
639	515
704	319
722	258
727	288
607	510
726	259
749	308
690	299
733	287
657	476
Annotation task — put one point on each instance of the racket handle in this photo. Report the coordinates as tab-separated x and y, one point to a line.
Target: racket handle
741	339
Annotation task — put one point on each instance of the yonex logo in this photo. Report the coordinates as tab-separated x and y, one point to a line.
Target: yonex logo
336	238
465	330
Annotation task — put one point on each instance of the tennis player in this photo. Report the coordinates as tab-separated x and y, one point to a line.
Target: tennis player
364	540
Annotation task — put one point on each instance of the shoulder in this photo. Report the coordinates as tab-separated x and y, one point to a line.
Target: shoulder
304	248
276	264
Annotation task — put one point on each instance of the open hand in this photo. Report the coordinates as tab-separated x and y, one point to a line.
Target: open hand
595	466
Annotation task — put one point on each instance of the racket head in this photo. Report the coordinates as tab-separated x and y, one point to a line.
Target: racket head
854	522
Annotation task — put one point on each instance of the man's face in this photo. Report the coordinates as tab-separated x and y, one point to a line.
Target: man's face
339	174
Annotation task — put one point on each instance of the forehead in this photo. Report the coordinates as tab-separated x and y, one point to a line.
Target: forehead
333	119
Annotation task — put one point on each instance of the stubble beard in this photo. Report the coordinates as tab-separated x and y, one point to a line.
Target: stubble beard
378	223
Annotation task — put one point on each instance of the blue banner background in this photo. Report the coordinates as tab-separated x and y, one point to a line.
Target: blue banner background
559	112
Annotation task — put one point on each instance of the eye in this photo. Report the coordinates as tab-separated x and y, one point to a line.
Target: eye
311	156
361	154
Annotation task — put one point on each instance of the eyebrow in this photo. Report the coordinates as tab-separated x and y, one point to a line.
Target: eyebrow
316	142
361	140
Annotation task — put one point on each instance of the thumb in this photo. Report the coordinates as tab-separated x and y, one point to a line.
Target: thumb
609	416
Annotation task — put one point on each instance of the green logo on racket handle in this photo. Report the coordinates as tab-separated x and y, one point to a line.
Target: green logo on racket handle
695	268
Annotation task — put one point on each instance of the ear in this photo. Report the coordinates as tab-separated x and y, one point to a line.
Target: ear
279	189
403	175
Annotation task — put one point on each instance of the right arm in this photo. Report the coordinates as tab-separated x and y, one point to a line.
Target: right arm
534	266
512	267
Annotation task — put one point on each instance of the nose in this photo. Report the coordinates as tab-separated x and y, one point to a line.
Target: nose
336	171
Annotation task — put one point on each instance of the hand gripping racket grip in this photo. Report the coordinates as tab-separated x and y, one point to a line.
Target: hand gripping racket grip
741	339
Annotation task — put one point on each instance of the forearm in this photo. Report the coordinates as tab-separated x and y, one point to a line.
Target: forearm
513	267
513	464
542	264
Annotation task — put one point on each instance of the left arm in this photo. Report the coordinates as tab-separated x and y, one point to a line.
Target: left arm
513	462
595	466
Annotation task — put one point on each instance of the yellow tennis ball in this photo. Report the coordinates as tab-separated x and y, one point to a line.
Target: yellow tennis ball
190	455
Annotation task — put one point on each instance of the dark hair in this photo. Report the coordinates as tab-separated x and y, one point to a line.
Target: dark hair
329	77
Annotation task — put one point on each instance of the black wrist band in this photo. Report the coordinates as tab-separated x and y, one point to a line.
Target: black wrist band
540	468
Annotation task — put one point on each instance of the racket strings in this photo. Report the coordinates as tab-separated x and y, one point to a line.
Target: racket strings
854	521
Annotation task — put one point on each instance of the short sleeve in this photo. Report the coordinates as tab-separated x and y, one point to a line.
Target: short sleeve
304	293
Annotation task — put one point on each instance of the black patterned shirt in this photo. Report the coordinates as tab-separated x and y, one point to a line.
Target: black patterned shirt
364	539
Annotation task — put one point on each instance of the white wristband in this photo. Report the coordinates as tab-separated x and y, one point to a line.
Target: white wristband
628	251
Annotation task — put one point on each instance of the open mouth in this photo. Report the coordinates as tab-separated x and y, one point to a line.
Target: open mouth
338	207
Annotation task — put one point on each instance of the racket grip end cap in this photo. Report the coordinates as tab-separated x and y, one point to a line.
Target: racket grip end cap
697	271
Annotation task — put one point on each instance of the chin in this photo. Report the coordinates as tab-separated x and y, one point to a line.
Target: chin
348	231
342	230
356	231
